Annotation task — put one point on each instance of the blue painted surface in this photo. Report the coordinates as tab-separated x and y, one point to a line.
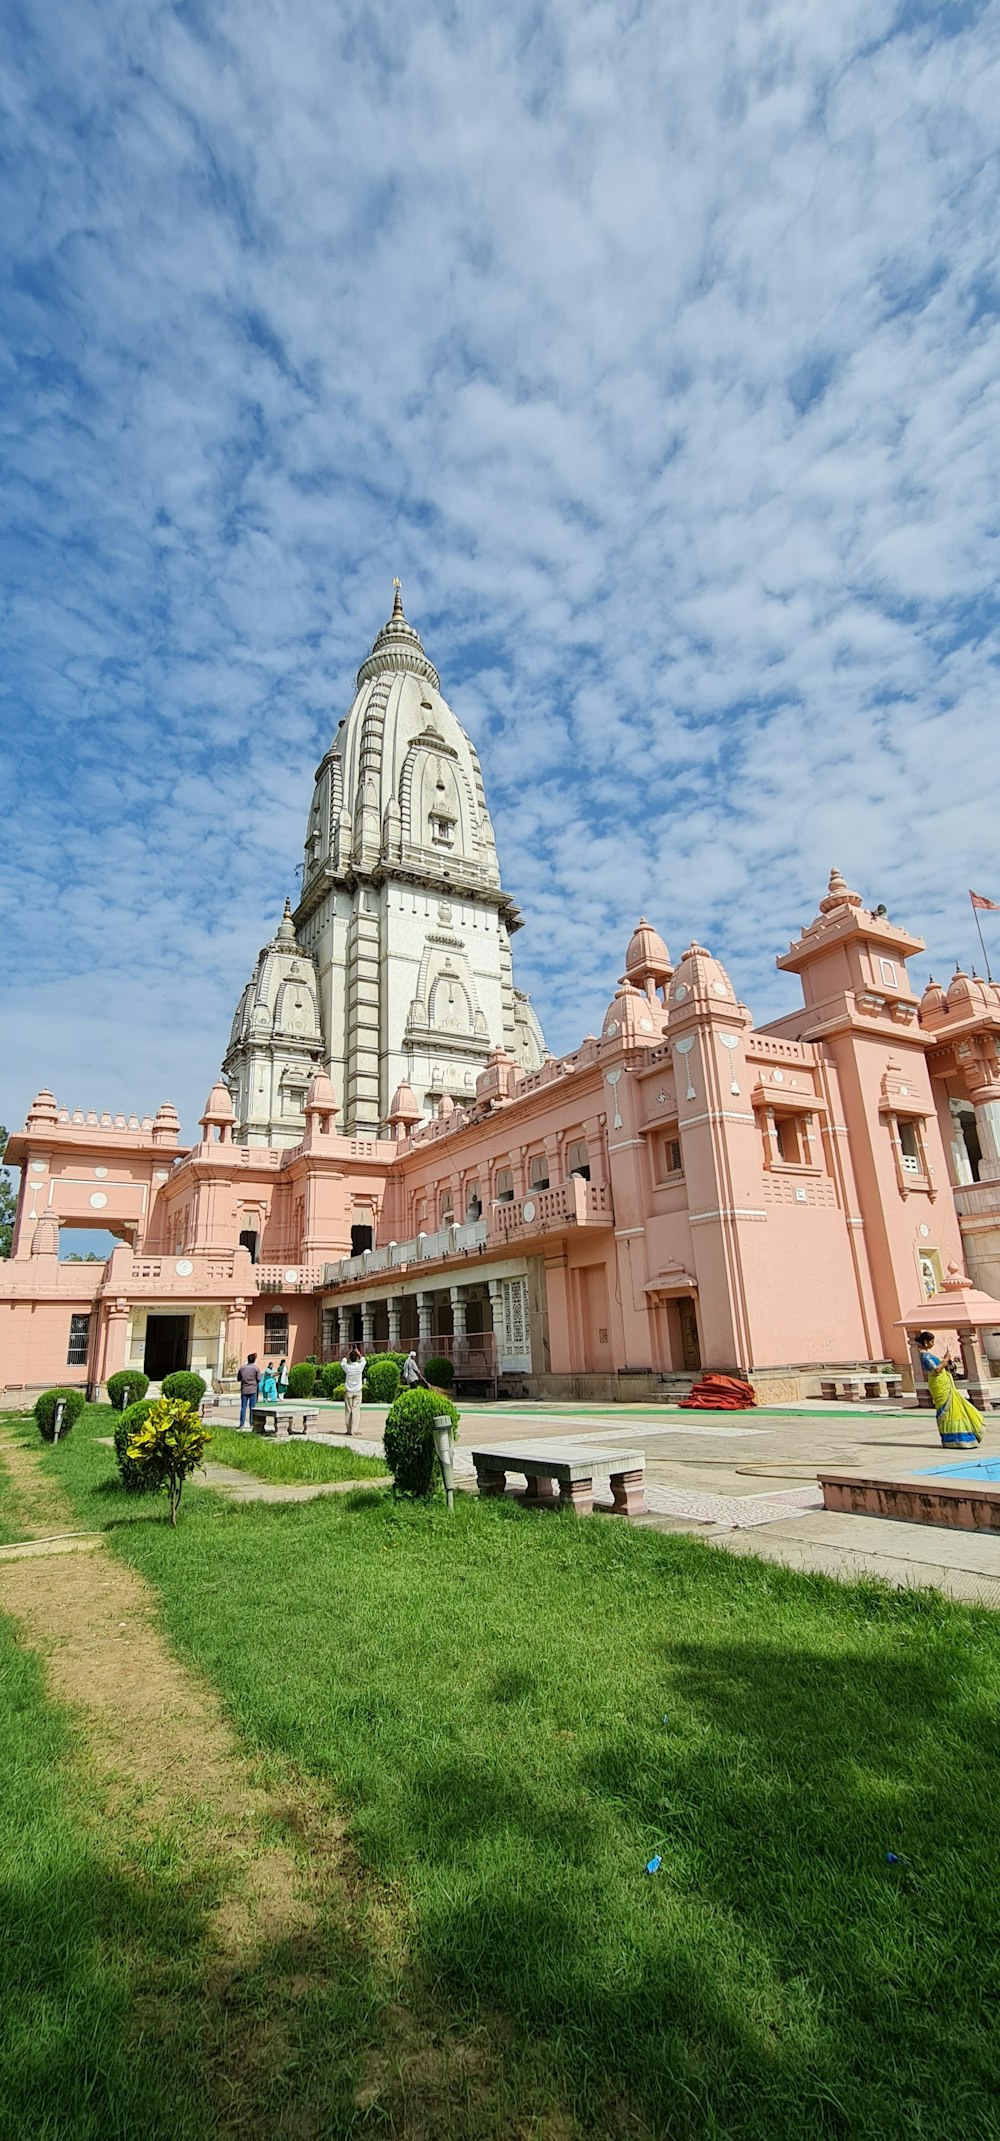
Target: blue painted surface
984	1469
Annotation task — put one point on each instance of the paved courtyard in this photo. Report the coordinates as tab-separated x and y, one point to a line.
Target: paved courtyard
746	1482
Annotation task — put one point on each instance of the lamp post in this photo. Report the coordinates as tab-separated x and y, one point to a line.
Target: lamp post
442	1444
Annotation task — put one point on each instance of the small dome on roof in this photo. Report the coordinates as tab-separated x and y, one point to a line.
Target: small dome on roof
403	1107
446	1105
321	1098
631	1016
647	957
967	994
933	1003
219	1106
700	975
43	1109
838	895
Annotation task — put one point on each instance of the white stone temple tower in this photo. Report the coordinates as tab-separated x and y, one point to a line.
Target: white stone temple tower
403	924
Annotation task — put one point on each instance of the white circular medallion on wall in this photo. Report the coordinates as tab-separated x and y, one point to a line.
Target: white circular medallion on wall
779	1077
98	1200
528	1211
38	1167
681	991
161	1174
645	1025
184	1267
291	1276
101	1173
719	988
924	1229
612	1026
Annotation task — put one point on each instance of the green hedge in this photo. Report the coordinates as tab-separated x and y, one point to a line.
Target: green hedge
45	1411
381	1379
126	1387
183	1384
409	1439
134	1478
302	1379
332	1380
439	1371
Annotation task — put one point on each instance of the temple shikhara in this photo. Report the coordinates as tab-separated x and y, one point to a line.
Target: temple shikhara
390	1151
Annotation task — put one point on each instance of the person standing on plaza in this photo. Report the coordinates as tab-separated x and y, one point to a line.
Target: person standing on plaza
353	1365
959	1424
281	1378
249	1381
410	1374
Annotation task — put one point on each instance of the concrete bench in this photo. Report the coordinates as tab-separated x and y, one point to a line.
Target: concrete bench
266	1419
570	1467
852	1388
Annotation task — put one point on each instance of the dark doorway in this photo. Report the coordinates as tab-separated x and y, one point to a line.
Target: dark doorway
361	1239
250	1239
688	1322
166	1345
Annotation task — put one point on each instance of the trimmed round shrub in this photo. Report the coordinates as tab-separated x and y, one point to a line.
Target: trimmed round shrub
409	1440
184	1384
302	1379
439	1371
332	1380
134	1478
381	1379
127	1387
73	1402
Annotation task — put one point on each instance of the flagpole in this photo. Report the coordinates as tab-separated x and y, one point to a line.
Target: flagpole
982	940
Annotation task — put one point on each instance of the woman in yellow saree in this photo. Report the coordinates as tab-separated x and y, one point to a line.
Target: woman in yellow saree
958	1422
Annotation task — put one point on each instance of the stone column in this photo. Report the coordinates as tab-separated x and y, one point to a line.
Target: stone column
457	1310
344	1325
977	1388
368	1323
395	1310
424	1303
919	1378
988	1127
236	1331
115	1337
960	1161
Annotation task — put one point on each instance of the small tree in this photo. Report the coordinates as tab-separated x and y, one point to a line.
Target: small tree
72	1402
409	1439
168	1445
183	1383
127	1387
439	1371
333	1380
136	1479
302	1379
381	1379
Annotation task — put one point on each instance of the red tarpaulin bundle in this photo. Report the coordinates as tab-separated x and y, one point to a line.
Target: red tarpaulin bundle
721	1393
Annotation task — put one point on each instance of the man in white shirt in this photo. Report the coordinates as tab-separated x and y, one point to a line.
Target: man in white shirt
353	1365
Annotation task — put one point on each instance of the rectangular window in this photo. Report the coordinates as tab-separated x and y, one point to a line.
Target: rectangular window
539	1172
667	1160
910	1147
276	1331
786	1131
504	1186
79	1337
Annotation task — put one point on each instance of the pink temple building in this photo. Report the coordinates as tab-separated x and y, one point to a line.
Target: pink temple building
392	1154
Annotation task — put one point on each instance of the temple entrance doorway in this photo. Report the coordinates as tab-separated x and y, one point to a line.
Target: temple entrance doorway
687	1322
167	1342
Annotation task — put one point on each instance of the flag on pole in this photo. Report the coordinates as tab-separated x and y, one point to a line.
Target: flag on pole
989	906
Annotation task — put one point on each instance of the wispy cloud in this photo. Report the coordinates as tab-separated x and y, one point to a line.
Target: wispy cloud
656	349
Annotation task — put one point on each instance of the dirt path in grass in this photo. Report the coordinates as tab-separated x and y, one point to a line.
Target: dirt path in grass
156	1760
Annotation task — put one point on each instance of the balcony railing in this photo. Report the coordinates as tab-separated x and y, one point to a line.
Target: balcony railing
575	1203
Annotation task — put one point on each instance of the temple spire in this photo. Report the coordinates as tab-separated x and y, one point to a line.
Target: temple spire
397	600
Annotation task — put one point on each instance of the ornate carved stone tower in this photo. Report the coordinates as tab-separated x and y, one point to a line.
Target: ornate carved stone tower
403	919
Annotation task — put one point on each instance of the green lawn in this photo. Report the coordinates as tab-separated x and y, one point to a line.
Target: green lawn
288	1461
79	1940
519	1711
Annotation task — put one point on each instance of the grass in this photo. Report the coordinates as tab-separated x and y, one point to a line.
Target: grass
518	1712
76	1935
286	1462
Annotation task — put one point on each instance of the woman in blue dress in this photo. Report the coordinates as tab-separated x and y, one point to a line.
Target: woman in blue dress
268	1386
958	1421
281	1378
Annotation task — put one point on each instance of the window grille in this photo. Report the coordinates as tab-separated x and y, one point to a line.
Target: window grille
276	1331
79	1338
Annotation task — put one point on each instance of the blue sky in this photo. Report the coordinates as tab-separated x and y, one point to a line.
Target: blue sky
654	347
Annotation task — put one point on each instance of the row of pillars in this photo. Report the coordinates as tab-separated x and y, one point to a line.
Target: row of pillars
394	1309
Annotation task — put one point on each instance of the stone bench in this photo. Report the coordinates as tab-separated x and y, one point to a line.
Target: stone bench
572	1469
265	1419
852	1388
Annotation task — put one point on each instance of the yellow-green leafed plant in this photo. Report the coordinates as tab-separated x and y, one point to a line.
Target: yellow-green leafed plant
168	1445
